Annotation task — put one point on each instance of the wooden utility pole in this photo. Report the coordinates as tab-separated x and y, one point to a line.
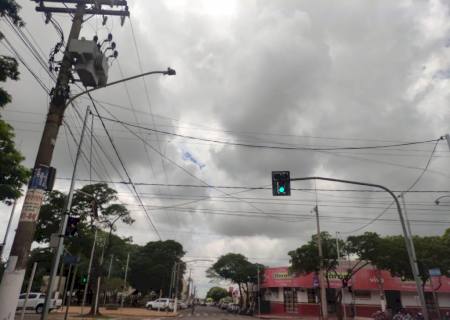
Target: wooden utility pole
15	271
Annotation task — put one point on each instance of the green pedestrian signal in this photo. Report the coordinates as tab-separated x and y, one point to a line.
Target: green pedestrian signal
281	183
83	279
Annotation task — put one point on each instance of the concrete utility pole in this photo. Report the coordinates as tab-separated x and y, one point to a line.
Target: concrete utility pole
62	228
125	280
342	288
2	248
323	293
15	271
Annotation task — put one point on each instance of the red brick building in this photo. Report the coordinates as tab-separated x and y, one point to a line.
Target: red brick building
285	293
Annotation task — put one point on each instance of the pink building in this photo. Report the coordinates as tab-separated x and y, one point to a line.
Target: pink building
371	290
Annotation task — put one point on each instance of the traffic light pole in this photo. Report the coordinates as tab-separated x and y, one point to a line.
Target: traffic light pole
62	227
408	241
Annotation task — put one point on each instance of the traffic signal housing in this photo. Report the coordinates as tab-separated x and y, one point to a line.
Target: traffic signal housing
281	183
71	229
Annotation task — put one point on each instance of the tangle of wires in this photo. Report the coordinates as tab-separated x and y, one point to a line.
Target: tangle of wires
58	47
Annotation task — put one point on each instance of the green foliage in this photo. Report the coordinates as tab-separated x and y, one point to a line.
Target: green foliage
389	253
151	266
50	215
237	269
12	174
11	9
306	258
8	70
217	293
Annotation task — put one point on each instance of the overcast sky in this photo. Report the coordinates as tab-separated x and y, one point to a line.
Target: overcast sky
286	73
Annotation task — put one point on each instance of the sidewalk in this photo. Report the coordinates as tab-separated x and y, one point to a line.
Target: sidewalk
285	317
75	313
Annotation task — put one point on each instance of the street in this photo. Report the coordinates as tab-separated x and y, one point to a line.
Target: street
200	313
208	313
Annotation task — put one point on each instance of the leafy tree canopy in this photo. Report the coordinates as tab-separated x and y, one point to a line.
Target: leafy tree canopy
217	293
12	174
151	266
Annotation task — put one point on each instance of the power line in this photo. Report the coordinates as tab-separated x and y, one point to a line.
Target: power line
403	193
270	146
125	170
252	187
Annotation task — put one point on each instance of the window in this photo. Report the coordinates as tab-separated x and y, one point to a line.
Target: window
32	296
22	296
42	296
362	294
311	293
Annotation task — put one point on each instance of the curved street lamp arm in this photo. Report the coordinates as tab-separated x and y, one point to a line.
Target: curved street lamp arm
437	200
408	241
168	72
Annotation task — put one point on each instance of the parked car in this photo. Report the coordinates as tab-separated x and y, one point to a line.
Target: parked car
233	308
182	305
36	301
165	304
224	305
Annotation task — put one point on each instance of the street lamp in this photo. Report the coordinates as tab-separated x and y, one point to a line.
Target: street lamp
176	274
168	72
437	200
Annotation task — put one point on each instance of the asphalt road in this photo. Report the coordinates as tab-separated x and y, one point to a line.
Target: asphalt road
209	313
199	313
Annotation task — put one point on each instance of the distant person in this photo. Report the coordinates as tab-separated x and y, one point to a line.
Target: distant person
402	314
193	307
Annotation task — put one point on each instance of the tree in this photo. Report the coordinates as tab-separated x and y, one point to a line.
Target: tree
306	260
389	253
217	293
109	212
237	269
151	266
13	175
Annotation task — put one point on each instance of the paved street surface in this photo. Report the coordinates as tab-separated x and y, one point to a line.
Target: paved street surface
200	313
209	313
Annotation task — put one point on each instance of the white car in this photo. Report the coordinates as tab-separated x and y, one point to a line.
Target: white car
161	304
36	301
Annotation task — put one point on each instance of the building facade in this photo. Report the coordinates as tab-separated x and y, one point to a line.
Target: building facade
368	291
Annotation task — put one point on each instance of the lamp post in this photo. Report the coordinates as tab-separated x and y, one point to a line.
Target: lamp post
408	240
176	268
168	72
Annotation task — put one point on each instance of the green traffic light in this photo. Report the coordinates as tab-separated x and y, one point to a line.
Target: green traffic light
281	189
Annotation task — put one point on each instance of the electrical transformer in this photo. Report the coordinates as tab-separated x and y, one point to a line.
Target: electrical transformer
90	63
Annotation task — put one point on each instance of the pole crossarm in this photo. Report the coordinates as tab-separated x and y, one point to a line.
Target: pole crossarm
94	2
122	13
408	240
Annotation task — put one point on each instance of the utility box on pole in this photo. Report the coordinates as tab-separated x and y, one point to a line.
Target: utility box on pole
91	64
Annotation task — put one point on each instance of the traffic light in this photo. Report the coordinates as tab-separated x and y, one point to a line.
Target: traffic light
84	279
281	183
71	229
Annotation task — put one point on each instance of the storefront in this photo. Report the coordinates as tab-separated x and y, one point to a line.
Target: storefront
367	292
